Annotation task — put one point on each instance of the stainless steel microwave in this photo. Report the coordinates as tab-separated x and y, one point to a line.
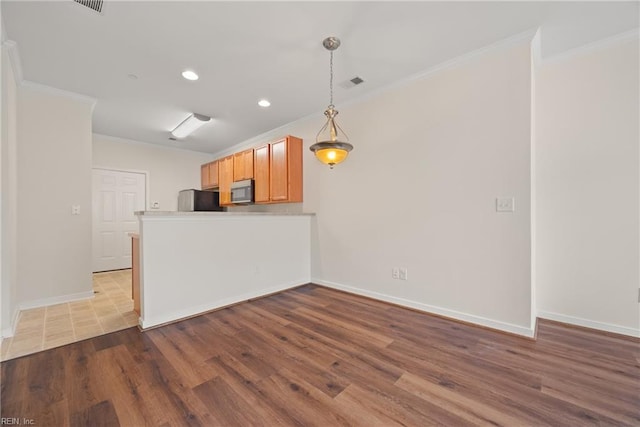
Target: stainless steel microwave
242	192
196	200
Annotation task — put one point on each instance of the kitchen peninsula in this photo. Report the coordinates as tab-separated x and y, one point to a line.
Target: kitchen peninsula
194	262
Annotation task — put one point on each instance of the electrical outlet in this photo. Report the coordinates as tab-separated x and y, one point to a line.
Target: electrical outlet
403	274
155	205
505	204
75	210
395	273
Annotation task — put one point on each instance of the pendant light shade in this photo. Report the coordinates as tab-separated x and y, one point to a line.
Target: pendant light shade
332	144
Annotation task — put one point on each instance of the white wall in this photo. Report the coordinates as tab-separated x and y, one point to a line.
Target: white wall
8	194
431	158
419	190
54	173
588	188
168	170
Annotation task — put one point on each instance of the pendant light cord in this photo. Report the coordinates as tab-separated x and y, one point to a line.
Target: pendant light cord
331	80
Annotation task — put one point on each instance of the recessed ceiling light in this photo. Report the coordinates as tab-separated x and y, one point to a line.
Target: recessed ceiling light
189	75
264	103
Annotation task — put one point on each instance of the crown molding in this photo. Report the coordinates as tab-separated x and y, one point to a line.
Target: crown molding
536	48
16	65
594	46
11	48
515	40
3	30
143	144
59	92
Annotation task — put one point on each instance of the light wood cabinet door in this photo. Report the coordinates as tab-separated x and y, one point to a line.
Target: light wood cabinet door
278	181
243	165
204	176
247	159
261	174
225	177
213	174
238	167
285	180
209	175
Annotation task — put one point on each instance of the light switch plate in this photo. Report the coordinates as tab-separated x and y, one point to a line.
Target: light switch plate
505	204
155	205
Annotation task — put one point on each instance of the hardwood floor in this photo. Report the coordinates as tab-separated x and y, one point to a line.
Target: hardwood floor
315	356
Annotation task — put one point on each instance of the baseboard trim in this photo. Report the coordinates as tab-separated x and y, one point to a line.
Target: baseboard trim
11	329
61	299
590	324
439	311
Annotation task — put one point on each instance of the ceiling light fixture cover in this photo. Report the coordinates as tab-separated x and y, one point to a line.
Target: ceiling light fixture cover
190	75
190	124
264	103
332	144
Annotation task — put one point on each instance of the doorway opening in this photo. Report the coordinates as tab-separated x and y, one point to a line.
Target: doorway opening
116	195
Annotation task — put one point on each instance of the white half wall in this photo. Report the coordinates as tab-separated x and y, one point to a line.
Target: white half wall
8	194
195	262
169	170
588	188
54	174
419	192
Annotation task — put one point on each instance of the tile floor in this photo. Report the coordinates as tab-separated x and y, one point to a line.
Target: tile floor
46	327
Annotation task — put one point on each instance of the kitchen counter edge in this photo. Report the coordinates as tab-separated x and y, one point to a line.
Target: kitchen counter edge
174	213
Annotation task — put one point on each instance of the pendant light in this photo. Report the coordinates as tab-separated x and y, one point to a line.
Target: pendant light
332	144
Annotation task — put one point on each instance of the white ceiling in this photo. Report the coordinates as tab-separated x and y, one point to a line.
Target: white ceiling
244	51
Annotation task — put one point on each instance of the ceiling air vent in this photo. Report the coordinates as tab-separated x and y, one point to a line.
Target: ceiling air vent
351	83
91	4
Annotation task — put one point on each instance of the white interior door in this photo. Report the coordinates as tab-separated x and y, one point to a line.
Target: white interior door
116	196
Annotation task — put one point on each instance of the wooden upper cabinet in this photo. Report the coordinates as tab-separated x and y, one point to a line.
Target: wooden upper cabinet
294	169
279	180
225	178
276	169
209	175
213	174
204	176
243	165
261	174
285	170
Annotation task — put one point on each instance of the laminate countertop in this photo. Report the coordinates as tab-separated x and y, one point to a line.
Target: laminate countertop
174	213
